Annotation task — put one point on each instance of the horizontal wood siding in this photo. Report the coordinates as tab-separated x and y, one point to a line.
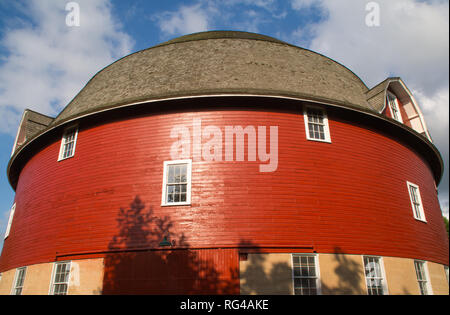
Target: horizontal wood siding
347	196
205	271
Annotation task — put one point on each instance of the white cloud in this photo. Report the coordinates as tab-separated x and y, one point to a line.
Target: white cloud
437	110
203	15
188	19
48	62
412	40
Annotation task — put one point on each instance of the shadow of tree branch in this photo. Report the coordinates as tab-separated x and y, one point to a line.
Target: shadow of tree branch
137	264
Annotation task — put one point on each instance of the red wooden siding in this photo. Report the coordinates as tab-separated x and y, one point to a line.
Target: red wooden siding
207	271
348	196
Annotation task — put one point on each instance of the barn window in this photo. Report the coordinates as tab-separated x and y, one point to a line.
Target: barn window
422	277
416	202
305	274
316	124
177	183
374	272
68	143
394	107
11	217
446	272
60	278
19	279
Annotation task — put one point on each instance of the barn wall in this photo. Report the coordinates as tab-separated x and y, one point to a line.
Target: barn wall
348	196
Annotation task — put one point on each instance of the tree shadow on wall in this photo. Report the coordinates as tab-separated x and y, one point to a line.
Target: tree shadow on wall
137	263
262	275
349	276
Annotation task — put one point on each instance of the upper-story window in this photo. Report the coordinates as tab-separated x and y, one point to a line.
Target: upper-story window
177	183
68	143
416	201
394	107
11	216
316	124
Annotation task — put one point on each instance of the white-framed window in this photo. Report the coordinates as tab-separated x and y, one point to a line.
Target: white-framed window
68	143
19	279
10	220
422	277
316	124
375	275
446	272
60	278
305	274
416	201
394	107
177	183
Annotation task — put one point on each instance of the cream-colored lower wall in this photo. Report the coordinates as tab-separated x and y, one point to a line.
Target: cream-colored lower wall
342	274
402	279
86	278
339	274
6	281
269	274
401	276
439	282
37	279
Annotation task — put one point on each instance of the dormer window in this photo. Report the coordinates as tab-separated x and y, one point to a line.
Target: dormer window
394	107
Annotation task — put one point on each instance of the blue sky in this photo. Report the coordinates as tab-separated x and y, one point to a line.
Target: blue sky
44	63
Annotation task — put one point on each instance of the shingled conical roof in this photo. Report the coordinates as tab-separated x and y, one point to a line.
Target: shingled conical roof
219	62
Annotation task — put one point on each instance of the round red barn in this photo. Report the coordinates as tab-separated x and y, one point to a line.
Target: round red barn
227	163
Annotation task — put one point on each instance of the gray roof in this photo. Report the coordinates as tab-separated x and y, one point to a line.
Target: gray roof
219	62
31	124
376	96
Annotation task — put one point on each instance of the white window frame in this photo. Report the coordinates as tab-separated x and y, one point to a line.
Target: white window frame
317	267
325	123
10	220
446	272
16	285
421	216
426	274
52	282
381	277
392	96
68	131
188	186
